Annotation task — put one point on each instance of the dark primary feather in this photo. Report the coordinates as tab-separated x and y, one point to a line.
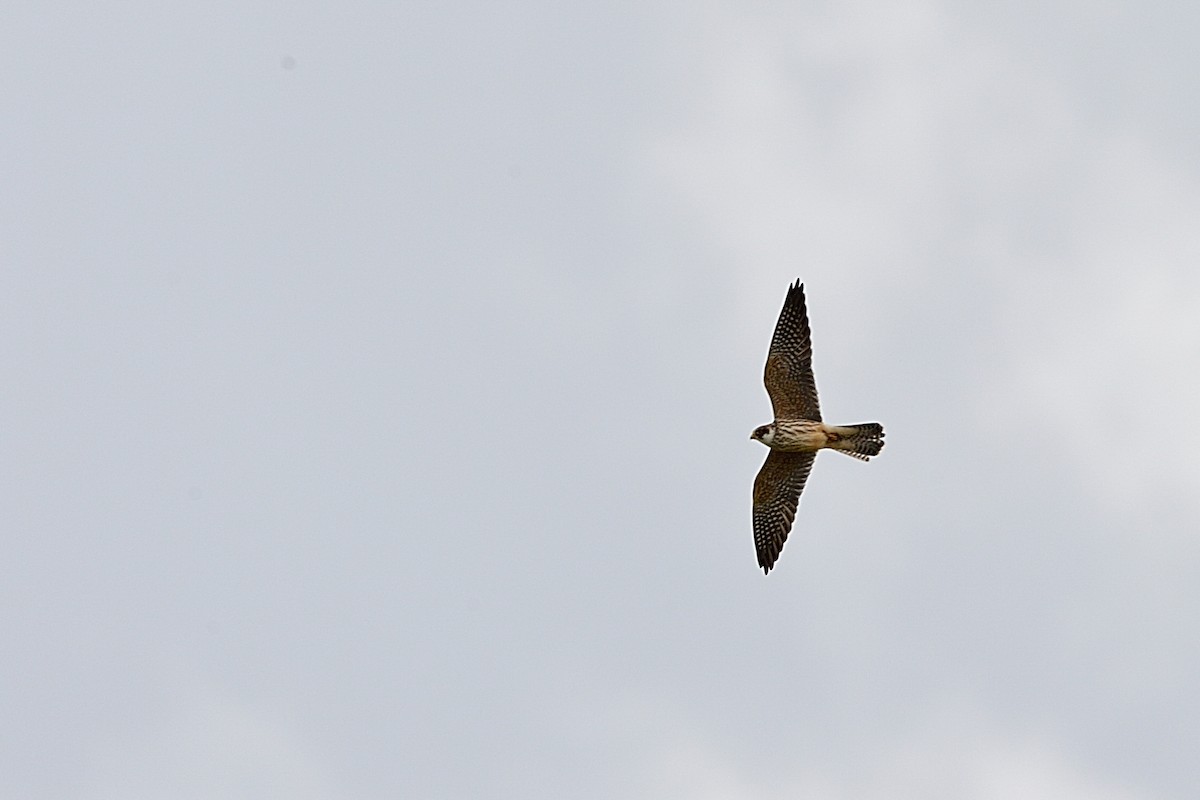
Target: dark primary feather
788	375
776	494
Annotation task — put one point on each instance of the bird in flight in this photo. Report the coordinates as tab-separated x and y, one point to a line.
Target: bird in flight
797	432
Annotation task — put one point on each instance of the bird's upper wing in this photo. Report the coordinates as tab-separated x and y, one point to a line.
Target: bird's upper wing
776	494
788	375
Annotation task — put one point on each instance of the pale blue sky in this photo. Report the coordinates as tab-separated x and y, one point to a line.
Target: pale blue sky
379	379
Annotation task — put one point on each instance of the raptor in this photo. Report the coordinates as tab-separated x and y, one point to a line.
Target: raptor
797	432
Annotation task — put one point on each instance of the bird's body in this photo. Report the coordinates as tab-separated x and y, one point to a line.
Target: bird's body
797	432
809	436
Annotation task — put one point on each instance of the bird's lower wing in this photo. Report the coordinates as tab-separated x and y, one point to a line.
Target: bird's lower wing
776	494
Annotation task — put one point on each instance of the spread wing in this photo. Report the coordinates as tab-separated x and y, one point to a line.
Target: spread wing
788	375
776	494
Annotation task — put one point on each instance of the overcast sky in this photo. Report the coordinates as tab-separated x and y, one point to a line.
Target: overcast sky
378	382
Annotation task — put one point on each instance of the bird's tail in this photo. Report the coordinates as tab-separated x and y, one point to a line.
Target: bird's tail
857	441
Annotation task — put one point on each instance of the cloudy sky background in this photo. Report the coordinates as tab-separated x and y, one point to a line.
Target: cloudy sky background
379	378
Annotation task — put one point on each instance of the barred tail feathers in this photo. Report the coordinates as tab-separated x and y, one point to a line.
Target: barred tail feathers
857	441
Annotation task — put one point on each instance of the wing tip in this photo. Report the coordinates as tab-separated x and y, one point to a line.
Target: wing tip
768	557
795	294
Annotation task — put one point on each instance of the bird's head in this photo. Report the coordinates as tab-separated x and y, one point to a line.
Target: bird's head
764	433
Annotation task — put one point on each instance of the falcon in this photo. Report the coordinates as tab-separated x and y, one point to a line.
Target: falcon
797	432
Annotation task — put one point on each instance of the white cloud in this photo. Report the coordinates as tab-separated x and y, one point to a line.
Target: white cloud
897	172
948	756
207	745
1103	343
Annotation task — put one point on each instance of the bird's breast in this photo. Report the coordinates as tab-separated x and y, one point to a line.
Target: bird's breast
799	436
